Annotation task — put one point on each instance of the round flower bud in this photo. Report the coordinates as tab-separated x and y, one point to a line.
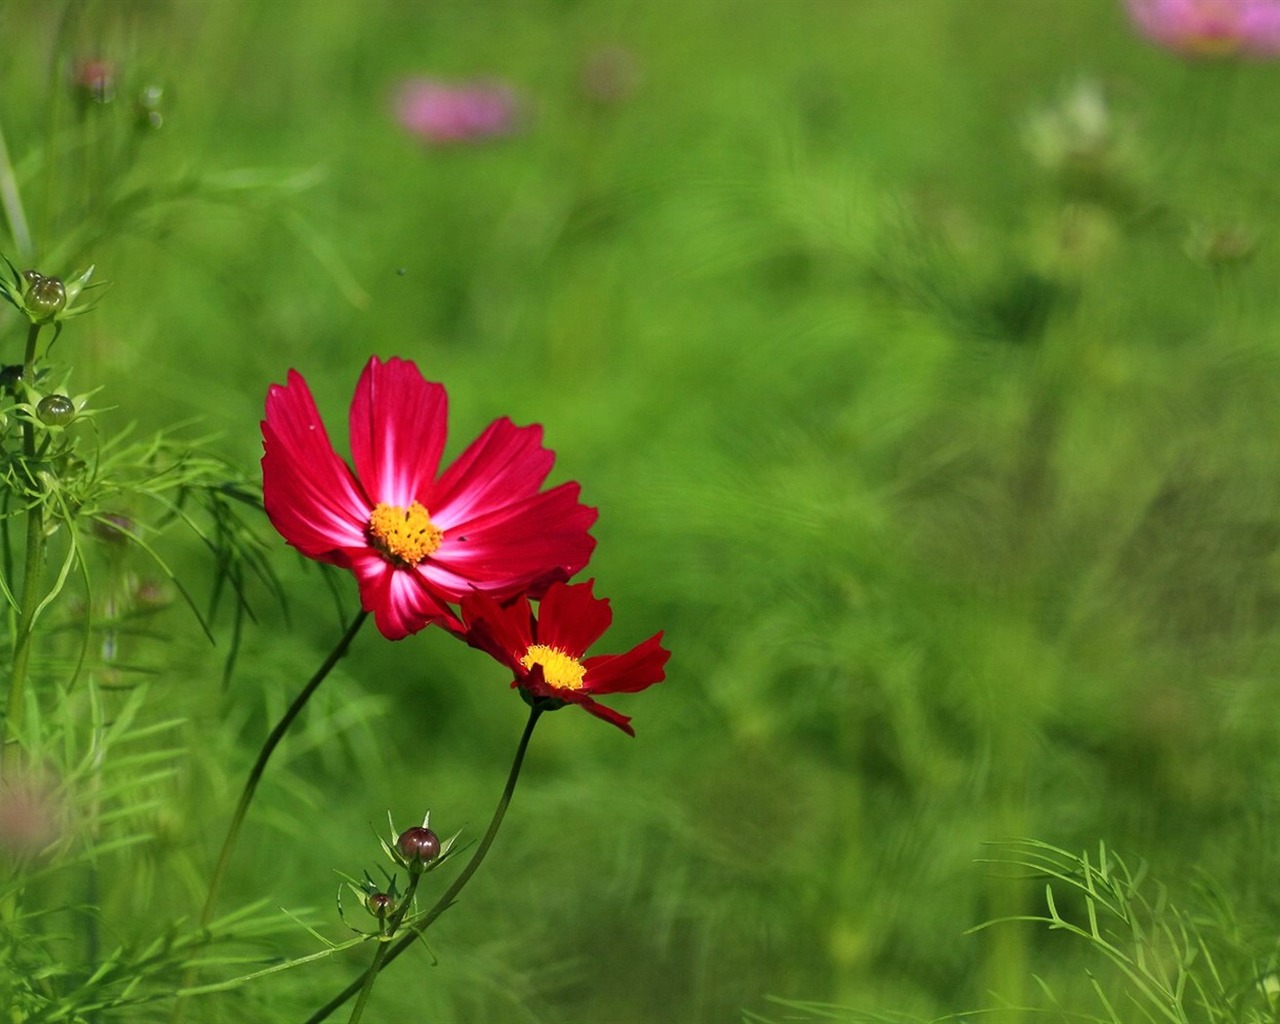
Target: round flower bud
380	904
113	528
46	297
418	846
148	115
56	410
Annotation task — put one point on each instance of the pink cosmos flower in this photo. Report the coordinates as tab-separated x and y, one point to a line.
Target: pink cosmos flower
1210	28
438	112
415	541
547	651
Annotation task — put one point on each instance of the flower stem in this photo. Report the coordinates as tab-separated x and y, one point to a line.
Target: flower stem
380	951
251	784
30	581
421	924
264	755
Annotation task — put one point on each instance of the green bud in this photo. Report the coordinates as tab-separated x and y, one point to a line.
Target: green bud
56	410
148	115
46	297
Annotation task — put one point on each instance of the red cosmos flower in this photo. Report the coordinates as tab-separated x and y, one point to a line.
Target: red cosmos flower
546	652
416	542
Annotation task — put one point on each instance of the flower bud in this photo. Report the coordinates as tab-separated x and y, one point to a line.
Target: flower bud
46	297
94	81
418	846
113	528
147	112
56	410
380	904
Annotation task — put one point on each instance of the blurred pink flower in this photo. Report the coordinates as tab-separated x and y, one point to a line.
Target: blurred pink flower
439	112
30	815
1210	28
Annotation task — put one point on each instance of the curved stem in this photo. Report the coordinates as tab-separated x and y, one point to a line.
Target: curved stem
421	924
251	784
264	755
30	581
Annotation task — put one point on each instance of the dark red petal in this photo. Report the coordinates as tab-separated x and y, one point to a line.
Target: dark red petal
398	426
308	491
571	618
502	466
517	547
622	721
503	631
641	667
400	603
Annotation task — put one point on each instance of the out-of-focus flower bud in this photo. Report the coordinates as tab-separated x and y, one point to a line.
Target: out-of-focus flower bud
148	115
56	410
1221	247
609	75
1080	140
31	814
10	375
94	81
113	528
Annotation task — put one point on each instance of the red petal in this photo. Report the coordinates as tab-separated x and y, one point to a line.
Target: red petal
622	721
308	491
639	668
398	426
504	631
518	547
503	465
571	618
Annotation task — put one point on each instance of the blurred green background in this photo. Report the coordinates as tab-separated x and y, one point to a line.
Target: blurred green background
921	359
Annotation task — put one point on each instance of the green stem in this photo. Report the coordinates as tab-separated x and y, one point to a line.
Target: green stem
251	785
421	924
264	755
31	573
380	952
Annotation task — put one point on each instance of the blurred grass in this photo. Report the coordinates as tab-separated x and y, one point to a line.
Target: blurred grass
955	493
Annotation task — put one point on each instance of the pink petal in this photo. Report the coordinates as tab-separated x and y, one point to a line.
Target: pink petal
503	465
308	491
400	603
398	427
522	546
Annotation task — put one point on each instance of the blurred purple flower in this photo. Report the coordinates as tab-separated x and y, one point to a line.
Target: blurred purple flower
443	113
1210	28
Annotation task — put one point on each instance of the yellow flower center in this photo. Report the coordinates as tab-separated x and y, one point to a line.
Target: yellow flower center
561	671
405	535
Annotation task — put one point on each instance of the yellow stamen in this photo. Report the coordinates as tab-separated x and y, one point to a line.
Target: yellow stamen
561	671
405	535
